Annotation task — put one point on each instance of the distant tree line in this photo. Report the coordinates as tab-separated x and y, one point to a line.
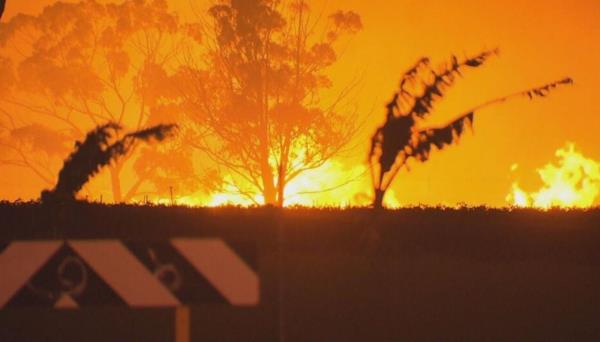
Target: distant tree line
243	81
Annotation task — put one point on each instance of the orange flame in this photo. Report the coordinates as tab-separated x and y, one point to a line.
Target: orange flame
573	183
331	185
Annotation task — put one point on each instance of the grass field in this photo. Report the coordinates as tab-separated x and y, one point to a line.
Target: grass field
359	274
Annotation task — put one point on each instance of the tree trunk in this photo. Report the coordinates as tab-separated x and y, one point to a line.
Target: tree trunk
269	191
115	181
281	173
280	191
378	200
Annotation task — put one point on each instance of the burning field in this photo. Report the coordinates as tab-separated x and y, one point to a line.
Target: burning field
309	129
572	183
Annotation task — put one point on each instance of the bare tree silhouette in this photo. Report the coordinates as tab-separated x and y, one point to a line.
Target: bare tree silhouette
262	84
399	139
95	152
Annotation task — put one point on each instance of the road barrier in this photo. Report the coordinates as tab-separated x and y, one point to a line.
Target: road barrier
96	273
74	273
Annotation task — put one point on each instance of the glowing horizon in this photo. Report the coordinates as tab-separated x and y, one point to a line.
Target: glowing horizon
539	42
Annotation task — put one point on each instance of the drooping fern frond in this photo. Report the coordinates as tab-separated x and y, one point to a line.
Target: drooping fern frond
439	137
94	153
399	140
123	146
411	75
158	133
421	85
544	90
424	140
540	91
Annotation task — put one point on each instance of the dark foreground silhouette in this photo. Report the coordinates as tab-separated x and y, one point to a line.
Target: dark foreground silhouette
458	275
95	152
400	138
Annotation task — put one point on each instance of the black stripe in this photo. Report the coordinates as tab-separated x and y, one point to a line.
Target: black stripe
246	250
175	272
3	246
65	273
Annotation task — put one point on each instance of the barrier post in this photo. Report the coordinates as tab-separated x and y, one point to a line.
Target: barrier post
182	324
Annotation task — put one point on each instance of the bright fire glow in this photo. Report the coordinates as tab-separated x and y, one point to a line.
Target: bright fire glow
573	183
333	184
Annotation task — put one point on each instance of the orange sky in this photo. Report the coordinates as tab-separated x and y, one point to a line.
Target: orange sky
540	41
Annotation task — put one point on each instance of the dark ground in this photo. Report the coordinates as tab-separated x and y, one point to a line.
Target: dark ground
348	275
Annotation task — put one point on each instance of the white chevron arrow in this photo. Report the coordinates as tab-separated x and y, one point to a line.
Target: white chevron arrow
117	266
223	268
127	276
19	262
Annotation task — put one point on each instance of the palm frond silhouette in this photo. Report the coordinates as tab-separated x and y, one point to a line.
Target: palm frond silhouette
95	152
399	139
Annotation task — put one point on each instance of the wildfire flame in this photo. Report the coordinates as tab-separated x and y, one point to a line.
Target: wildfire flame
331	185
335	185
573	183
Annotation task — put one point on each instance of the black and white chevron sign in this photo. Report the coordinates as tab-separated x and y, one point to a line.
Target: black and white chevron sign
79	273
